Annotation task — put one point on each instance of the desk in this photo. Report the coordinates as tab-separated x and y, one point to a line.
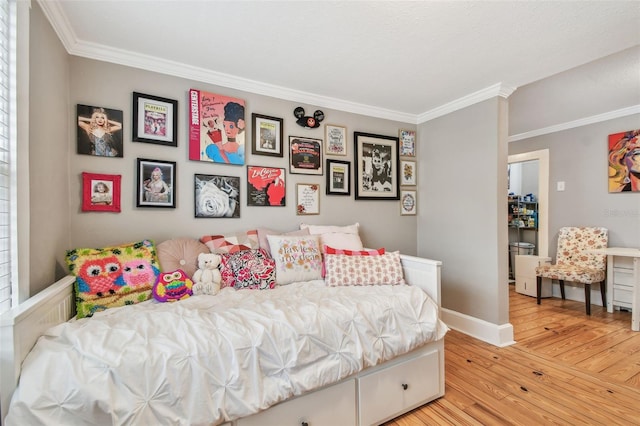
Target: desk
623	279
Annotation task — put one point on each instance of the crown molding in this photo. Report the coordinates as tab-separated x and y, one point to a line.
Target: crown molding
60	23
499	89
623	112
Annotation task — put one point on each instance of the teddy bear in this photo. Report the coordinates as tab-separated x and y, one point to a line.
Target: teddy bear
207	278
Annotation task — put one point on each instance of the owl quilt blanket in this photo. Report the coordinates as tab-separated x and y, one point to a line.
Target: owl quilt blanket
210	359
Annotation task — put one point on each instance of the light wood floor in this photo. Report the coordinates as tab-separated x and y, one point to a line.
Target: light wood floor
566	368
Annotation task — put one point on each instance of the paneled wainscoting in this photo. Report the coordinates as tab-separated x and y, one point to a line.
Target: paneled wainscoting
566	368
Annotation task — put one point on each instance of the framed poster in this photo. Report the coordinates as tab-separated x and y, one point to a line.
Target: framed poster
100	193
307	198
267	135
335	139
407	143
338	177
217	196
624	161
408	173
99	131
266	186
305	155
377	167
216	128
155	120
156	183
408	203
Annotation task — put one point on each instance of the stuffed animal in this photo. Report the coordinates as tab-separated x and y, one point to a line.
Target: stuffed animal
207	278
172	286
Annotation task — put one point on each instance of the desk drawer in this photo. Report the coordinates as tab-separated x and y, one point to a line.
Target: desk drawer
623	262
623	277
622	296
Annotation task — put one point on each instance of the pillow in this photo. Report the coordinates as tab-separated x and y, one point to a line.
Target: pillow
180	253
298	258
231	243
172	286
250	269
363	270
342	237
264	243
113	276
366	252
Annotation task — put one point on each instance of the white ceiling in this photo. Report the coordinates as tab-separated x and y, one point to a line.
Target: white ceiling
392	59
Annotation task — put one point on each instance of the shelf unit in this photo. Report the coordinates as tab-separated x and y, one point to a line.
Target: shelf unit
523	227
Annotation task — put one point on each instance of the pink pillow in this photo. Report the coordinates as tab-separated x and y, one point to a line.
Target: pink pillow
232	243
331	250
342	270
250	269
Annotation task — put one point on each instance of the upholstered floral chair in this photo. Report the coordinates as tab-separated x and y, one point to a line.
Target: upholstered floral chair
575	263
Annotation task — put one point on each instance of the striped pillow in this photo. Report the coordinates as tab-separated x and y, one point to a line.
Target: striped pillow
331	250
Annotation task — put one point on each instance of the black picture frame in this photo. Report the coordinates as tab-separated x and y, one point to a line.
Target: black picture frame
305	155
216	196
338	177
152	192
155	120
268	135
377	167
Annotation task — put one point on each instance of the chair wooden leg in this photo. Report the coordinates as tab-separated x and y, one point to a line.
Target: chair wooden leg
587	298
538	289
603	291
561	288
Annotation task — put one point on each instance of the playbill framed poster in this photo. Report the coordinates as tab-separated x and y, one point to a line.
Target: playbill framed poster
266	186
216	128
155	120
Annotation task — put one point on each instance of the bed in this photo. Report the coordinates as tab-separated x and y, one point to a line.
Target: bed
368	365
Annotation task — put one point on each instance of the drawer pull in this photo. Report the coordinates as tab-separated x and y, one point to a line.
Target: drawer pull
405	386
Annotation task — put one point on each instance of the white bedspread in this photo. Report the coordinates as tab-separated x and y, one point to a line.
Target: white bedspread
208	359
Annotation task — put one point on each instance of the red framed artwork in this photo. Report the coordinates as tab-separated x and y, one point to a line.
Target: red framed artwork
100	193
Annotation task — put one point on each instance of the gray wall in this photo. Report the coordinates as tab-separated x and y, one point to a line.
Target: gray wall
462	207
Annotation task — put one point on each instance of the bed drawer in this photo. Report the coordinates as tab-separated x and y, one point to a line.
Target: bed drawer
391	391
335	405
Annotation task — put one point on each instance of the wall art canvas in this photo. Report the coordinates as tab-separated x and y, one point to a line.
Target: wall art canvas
217	196
624	161
266	186
216	128
99	131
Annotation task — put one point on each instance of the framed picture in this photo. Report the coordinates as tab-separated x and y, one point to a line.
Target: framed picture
100	193
155	120
266	186
156	183
407	143
267	135
217	196
408	202
305	155
408	173
307	198
377	167
624	161
99	131
338	177
216	128
335	140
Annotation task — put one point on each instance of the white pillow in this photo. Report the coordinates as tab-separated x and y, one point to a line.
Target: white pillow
298	258
339	237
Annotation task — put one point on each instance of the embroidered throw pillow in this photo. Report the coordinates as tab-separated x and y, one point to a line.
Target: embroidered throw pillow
342	237
250	269
113	276
363	270
232	243
298	258
264	232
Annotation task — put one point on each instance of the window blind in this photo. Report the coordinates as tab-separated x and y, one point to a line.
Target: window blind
5	157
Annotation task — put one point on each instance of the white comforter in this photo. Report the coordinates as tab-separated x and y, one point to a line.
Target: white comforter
208	359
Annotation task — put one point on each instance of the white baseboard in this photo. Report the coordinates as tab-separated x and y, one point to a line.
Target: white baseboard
497	335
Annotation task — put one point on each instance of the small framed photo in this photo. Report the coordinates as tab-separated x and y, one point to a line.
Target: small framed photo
338	177
267	135
335	140
100	193
408	173
407	142
408	203
307	198
99	131
266	186
155	120
377	167
217	196
156	183
305	155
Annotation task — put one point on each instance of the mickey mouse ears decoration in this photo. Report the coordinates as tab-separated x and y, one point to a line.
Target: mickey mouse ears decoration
308	121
